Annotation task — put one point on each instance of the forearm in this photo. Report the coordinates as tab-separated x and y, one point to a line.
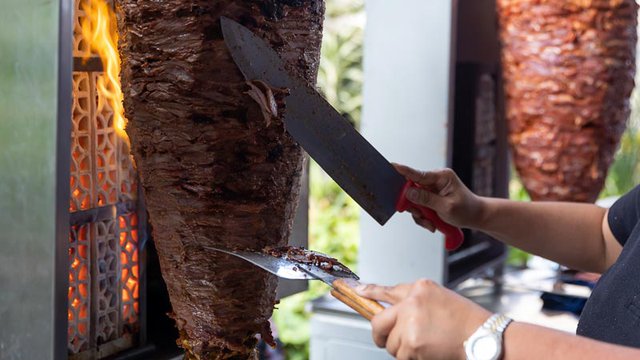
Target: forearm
525	341
573	234
568	233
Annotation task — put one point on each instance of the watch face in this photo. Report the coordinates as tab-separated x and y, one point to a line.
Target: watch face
486	347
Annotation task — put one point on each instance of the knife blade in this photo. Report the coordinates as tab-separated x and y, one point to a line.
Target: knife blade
355	165
341	279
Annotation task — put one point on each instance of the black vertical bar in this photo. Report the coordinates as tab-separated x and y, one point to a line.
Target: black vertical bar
502	165
120	324
63	163
141	210
92	242
92	231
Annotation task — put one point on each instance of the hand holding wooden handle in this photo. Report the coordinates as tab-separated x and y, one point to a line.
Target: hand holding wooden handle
343	290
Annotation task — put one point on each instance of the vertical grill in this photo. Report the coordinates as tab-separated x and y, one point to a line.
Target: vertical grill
107	222
74	224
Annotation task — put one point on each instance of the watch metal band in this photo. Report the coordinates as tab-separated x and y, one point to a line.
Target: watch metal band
492	331
497	323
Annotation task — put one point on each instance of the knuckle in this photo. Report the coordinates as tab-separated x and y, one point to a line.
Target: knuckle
443	172
413	342
425	284
424	287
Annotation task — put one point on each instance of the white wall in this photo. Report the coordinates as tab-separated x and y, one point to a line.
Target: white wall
405	114
407	69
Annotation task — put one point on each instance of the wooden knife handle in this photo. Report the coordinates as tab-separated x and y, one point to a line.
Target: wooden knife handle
359	309
343	290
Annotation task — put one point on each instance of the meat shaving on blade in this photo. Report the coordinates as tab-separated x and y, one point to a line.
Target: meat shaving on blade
308	257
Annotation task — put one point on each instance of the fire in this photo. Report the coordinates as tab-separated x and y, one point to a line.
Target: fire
99	28
99	31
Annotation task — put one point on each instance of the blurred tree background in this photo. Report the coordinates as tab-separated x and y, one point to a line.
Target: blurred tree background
333	215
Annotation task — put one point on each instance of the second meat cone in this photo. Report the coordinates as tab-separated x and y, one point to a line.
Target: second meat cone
216	164
568	69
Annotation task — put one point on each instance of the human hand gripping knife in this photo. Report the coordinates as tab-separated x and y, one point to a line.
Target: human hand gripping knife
341	279
328	137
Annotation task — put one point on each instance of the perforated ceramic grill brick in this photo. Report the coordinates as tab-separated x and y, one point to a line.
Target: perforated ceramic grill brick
104	241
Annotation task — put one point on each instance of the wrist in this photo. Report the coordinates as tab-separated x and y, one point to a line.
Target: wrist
487	342
474	321
483	213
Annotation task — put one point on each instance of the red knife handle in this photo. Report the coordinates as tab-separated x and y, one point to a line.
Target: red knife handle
453	235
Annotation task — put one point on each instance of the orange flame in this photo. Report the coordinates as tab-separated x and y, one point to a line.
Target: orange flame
99	28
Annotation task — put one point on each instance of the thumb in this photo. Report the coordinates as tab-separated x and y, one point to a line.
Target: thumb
427	199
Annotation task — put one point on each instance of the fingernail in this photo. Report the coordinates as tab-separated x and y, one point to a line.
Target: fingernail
412	194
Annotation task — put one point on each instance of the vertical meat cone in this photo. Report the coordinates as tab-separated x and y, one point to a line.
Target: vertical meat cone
568	68
216	165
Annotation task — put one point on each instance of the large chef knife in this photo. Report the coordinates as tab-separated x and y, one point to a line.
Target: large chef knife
296	265
328	137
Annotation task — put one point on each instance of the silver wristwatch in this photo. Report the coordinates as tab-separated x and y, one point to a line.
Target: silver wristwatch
486	342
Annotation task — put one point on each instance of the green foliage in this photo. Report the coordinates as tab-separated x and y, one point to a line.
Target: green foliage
624	174
516	257
516	189
333	215
340	76
334	230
